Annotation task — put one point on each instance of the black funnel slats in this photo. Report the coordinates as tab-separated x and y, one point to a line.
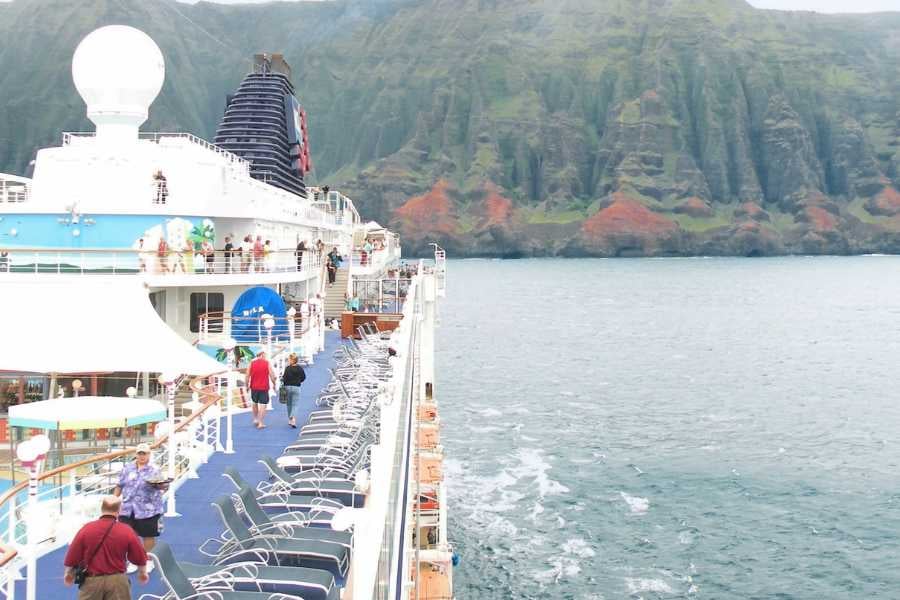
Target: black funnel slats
265	125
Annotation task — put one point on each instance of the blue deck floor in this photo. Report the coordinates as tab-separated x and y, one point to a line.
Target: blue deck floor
198	521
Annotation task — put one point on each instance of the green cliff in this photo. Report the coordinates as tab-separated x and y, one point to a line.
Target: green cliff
532	127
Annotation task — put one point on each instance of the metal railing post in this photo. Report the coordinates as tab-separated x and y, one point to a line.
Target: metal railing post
170	397
31	536
229	406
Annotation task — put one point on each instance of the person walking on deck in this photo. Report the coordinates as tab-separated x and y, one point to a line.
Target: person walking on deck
260	376
293	376
102	548
259	254
142	501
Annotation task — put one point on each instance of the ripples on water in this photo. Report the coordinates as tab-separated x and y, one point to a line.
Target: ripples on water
720	428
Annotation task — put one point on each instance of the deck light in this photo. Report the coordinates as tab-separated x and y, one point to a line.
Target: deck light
32	453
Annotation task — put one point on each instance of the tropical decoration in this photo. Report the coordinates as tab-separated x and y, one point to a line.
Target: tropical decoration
241	353
203	232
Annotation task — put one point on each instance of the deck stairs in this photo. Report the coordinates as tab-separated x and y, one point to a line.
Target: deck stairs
334	295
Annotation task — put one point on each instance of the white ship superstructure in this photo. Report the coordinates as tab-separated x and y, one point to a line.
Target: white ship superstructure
229	247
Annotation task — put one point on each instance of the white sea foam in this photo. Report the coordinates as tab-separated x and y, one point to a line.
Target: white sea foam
490	412
578	547
638	585
485	429
561	566
637	504
533	464
501	526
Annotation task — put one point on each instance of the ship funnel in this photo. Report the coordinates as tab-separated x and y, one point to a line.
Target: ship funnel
118	70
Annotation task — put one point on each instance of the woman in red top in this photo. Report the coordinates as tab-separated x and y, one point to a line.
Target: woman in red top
259	375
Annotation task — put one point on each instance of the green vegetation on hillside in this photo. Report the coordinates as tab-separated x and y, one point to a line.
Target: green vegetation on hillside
558	104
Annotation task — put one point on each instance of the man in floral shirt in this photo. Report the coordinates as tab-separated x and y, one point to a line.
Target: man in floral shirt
142	502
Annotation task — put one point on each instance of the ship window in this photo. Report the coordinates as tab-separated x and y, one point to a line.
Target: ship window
202	303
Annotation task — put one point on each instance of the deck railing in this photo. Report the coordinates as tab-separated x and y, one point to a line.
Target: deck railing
153	262
69	138
381	295
69	495
14	188
301	332
375	262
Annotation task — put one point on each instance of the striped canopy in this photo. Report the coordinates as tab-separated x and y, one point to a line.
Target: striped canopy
86	412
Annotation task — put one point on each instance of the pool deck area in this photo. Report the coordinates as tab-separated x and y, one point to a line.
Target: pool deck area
198	521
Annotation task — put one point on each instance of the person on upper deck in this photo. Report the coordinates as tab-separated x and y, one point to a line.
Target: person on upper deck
209	253
162	187
229	251
246	253
259	254
268	257
301	248
162	255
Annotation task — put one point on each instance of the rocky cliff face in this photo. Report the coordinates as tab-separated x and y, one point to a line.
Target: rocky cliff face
523	127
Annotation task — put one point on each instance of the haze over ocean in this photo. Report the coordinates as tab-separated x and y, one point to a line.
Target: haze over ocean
673	428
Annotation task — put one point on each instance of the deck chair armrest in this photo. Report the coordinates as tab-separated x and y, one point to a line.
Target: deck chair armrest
207	594
275	528
254	556
270	537
220	580
229	572
294	518
216	547
329	504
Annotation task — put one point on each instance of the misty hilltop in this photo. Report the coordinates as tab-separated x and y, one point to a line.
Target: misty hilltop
532	127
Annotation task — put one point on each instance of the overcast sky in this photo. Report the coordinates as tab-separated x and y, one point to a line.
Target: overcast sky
831	6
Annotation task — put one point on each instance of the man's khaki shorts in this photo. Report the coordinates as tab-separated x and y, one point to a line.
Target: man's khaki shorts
106	587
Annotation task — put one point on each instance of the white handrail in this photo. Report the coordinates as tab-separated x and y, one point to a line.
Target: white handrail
69	136
150	261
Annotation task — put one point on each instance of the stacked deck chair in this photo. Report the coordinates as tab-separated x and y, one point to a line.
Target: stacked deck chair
278	542
187	581
289	516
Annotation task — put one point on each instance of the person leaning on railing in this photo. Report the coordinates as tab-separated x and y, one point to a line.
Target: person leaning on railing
229	248
101	548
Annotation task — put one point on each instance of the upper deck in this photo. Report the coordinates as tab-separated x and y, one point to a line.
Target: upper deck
172	174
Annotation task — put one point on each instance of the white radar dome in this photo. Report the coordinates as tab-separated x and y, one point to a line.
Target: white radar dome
119	71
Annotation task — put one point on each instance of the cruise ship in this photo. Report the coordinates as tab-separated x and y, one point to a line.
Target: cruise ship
140	273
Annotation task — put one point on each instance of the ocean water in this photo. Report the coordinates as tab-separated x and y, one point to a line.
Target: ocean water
684	428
